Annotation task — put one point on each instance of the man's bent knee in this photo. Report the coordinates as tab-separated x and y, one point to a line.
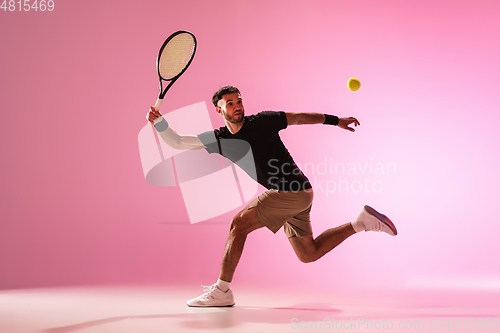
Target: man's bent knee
244	222
306	259
305	256
304	248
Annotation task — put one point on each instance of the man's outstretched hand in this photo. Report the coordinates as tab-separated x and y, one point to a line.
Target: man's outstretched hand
345	122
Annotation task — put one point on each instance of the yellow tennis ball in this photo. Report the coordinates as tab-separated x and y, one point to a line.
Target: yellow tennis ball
353	84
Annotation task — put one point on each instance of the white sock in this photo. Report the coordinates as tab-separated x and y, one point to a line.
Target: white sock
223	285
358	226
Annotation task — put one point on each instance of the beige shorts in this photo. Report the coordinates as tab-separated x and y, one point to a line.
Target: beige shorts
290	209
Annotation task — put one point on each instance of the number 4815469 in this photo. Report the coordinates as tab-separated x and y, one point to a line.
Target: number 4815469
28	5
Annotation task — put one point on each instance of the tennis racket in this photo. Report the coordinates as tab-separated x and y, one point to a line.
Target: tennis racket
174	58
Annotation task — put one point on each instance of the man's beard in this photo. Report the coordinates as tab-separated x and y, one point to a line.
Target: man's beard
234	121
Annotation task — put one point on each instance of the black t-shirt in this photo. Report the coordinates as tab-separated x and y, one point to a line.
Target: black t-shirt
257	148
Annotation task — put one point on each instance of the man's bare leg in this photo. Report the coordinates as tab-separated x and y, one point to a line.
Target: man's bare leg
309	249
242	224
219	294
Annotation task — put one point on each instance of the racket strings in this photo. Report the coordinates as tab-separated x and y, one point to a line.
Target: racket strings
176	56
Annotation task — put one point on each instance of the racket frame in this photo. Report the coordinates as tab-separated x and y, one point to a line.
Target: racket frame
172	80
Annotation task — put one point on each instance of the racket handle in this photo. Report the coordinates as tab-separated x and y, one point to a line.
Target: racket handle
158	104
157	108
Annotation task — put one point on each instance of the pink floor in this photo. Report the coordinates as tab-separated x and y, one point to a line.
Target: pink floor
162	309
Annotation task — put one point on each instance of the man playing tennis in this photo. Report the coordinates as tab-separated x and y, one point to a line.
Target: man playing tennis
288	200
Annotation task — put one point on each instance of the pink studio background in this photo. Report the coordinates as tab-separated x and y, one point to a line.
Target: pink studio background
77	82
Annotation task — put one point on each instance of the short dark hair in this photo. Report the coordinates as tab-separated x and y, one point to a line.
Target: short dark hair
223	91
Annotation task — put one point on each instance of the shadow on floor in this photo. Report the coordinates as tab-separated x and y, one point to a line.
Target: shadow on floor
200	318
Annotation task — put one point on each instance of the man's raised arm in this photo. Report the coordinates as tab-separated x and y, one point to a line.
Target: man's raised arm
169	136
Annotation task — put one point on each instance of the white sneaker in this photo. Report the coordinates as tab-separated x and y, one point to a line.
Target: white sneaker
213	296
371	220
